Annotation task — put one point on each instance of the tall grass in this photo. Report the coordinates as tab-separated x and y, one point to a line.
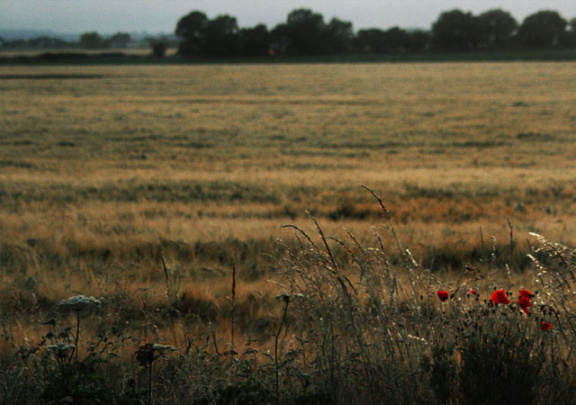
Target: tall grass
152	190
348	325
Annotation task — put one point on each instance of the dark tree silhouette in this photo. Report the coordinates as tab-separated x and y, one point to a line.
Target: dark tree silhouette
497	28
159	46
339	36
303	33
417	40
396	40
371	40
455	31
192	31
374	40
570	35
222	37
255	41
46	42
92	40
542	29
120	40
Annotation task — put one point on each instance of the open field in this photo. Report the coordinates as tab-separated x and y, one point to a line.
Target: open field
106	157
105	171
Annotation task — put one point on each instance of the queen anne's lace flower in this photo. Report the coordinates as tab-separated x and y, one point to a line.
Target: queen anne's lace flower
79	303
61	349
162	348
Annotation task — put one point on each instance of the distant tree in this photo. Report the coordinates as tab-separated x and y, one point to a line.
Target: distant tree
191	29
396	40
303	33
279	39
497	27
159	46
374	40
92	40
371	40
570	35
455	30
16	44
542	29
222	37
47	42
120	40
255	41
339	36
417	40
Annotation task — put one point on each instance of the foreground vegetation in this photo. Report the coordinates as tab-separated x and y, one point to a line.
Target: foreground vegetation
156	189
351	328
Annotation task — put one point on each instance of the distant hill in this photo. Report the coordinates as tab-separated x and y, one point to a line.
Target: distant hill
14	34
25	34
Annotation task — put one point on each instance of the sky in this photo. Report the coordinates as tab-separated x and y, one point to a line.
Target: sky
155	16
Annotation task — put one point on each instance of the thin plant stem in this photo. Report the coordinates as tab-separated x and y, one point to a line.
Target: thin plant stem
77	334
233	309
277	338
150	383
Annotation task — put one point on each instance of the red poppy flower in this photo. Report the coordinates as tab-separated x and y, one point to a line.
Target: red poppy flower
443	295
525	294
499	297
524	304
544	326
473	292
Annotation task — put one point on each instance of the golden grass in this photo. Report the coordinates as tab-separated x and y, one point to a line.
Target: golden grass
100	176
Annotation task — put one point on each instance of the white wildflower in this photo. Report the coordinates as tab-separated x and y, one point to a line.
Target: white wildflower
162	348
418	338
61	349
79	303
283	297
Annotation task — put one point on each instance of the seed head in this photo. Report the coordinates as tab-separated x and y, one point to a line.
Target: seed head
79	303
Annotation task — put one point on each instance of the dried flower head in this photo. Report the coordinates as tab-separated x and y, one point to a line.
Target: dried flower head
79	303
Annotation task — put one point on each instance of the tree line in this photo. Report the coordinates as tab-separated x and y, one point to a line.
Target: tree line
306	33
92	40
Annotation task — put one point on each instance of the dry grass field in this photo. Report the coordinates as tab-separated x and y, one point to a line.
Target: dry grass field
107	170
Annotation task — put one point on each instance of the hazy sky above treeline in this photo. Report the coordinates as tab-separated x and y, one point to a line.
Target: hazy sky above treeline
110	16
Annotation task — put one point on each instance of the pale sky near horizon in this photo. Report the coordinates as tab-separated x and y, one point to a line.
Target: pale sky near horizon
109	16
